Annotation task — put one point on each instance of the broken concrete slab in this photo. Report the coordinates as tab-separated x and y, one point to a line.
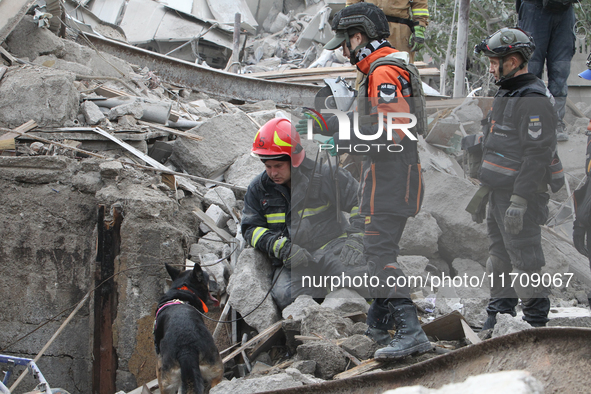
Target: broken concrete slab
318	30
91	112
215	270
413	266
244	170
328	357
446	199
360	346
345	301
256	384
110	169
514	382
421	236
249	284
44	95
507	324
325	322
569	317
305	366
52	61
211	243
264	105
220	196
27	40
296	308
359	328
133	108
232	134
262	117
218	216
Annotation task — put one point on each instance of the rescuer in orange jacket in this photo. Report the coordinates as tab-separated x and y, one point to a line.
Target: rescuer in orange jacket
391	188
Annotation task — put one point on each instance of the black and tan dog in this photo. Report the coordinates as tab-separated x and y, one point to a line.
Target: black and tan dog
188	360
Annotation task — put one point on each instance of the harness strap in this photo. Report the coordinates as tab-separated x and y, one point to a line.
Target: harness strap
408	22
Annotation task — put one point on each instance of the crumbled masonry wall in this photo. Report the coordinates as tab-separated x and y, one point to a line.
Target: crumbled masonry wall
48	211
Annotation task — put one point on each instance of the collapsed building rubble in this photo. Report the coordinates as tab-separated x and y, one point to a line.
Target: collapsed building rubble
53	191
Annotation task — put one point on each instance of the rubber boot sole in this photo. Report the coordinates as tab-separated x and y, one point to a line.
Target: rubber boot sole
420	348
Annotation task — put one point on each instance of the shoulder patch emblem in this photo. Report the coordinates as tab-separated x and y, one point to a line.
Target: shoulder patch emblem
534	128
387	92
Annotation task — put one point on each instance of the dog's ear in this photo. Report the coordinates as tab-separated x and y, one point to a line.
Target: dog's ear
173	272
198	273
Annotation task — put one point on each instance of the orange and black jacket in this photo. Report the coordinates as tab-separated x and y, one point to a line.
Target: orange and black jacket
391	183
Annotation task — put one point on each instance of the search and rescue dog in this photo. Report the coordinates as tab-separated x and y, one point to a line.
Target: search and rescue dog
188	360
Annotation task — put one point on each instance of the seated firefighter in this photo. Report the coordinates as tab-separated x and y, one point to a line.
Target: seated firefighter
317	240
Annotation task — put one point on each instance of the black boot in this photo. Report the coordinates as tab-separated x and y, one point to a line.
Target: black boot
490	321
381	337
409	338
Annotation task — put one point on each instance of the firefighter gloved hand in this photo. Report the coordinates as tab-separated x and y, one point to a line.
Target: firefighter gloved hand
302	126
416	41
579	239
352	252
292	255
514	215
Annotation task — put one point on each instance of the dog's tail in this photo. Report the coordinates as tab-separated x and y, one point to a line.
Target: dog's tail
192	381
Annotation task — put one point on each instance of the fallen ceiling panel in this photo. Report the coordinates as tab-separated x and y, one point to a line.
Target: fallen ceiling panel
201	10
141	20
210	81
180	5
107	10
225	11
175	26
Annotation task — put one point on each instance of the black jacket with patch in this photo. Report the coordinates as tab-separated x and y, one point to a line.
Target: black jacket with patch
268	207
519	137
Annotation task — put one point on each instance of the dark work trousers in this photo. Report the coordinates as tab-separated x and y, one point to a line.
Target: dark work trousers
521	254
555	44
381	249
327	264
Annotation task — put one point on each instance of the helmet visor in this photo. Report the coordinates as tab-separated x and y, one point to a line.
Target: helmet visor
336	41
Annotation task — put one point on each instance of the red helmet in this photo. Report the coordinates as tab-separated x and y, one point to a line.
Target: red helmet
276	139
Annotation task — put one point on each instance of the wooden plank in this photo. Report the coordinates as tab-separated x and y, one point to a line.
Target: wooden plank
183	182
574	108
263	336
110	92
171	131
447	327
211	224
365	366
7	140
469	333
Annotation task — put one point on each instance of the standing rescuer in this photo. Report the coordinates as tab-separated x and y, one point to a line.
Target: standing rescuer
518	162
290	213
392	187
582	196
